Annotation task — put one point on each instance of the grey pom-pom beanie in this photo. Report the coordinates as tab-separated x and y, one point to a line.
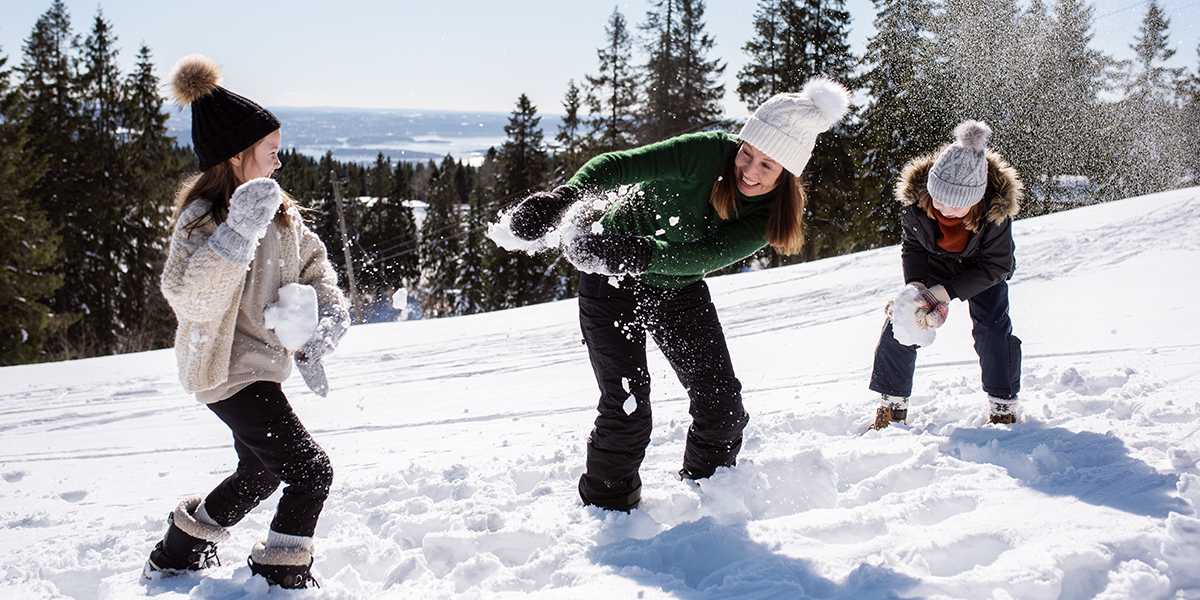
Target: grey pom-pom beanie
958	178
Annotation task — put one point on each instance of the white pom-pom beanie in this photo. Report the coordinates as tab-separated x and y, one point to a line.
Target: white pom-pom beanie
958	177
786	126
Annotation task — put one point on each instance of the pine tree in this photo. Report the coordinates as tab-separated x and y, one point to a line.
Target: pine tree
612	93
97	273
152	165
794	41
441	244
524	168
376	231
900	123
403	268
1151	78
683	89
1191	125
763	75
472	281
27	282
1149	116
569	153
51	113
1063	135
981	71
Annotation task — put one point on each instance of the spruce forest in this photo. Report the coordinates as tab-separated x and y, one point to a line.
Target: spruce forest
88	171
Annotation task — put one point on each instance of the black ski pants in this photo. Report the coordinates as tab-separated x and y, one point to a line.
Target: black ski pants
272	446
684	325
998	349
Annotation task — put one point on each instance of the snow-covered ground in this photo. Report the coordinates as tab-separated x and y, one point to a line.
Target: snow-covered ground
457	444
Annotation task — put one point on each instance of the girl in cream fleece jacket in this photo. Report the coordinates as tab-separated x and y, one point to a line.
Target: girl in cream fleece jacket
238	239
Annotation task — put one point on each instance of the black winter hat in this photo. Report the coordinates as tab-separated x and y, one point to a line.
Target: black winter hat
223	123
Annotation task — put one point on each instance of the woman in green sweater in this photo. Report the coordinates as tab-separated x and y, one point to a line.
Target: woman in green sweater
704	201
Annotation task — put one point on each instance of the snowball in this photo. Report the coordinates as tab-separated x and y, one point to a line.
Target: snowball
400	299
581	217
630	405
673	221
501	234
904	319
294	316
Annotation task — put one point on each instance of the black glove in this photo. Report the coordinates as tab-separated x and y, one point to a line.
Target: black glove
611	253
540	212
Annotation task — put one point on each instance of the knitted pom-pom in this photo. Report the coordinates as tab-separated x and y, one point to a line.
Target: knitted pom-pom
829	96
973	135
194	77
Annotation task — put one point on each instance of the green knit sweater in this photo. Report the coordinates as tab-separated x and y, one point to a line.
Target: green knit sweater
671	206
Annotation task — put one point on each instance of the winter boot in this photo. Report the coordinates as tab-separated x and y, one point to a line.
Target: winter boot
189	544
891	409
289	567
1003	411
621	496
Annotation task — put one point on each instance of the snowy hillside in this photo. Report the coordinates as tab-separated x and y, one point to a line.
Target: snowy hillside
457	444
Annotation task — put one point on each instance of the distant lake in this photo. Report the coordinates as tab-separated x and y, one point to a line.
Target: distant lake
357	135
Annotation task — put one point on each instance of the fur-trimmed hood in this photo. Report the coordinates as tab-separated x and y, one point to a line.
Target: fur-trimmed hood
1002	198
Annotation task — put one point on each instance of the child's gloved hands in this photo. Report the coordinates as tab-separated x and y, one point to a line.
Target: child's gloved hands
253	206
933	307
330	330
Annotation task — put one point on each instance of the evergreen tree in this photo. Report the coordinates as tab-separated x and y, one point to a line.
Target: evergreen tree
404	268
100	260
981	71
27	282
794	41
612	94
569	156
1063	131
1191	126
472	279
152	166
900	123
1151	77
50	112
441	244
763	75
1149	116
683	89
524	168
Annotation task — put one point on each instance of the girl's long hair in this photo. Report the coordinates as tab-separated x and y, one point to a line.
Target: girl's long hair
972	220
785	226
217	185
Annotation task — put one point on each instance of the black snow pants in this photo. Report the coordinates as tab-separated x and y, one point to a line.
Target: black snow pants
272	446
684	325
998	349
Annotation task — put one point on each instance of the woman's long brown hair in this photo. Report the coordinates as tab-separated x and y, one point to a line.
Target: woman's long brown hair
217	185
785	226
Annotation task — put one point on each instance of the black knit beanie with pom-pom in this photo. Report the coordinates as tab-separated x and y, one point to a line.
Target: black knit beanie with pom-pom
223	123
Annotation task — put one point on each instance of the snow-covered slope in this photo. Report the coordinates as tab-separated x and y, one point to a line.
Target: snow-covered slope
457	444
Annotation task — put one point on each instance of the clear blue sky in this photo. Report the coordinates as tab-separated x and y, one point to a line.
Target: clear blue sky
446	54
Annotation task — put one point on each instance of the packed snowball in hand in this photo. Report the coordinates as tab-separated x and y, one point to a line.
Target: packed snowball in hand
904	319
582	217
294	316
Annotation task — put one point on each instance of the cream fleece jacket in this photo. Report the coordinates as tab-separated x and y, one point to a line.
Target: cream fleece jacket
221	343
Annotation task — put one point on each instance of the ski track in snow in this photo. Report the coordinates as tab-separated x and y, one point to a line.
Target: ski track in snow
457	444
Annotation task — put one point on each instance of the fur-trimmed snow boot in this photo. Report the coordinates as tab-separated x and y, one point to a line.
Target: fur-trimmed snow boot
1002	411
891	409
289	567
189	544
